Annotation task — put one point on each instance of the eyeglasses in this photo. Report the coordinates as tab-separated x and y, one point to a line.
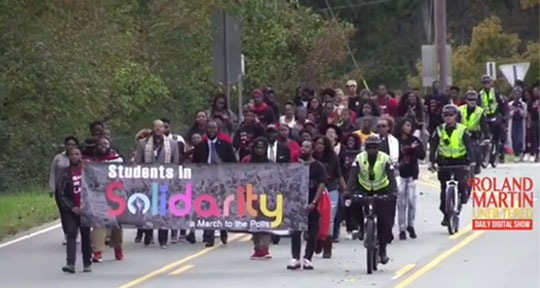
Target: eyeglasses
486	82
470	100
449	114
382	126
372	147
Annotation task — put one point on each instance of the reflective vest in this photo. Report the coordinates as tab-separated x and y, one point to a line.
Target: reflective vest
451	146
378	171
489	101
473	122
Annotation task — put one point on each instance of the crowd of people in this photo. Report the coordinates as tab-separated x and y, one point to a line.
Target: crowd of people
352	140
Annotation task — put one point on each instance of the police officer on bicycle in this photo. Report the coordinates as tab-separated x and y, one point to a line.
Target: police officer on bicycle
493	105
450	145
373	174
474	119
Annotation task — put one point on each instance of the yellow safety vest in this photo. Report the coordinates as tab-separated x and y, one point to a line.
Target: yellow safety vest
451	146
473	123
489	101
378	171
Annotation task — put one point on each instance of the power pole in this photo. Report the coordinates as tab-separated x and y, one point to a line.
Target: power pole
439	17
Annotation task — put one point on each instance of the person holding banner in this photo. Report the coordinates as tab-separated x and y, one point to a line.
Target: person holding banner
317	180
104	154
68	199
261	240
157	149
212	151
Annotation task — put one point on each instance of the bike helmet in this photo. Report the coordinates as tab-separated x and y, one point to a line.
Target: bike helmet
373	140
486	78
471	95
450	108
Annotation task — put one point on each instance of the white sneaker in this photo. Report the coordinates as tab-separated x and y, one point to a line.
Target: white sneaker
294	264
306	264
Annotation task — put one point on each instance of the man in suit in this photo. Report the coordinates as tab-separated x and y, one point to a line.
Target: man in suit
157	149
277	153
212	151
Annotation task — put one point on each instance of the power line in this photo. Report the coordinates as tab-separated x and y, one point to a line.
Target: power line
347	44
355	5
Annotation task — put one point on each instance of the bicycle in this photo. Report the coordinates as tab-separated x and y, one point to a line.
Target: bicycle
491	153
452	197
371	241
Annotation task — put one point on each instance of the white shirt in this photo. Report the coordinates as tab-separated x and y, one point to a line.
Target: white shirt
177	138
210	142
337	149
283	120
272	152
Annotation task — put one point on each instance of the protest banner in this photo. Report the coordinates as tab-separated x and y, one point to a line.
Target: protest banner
240	197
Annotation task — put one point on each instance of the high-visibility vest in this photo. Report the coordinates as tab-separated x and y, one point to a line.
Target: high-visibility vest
489	101
379	177
472	122
451	146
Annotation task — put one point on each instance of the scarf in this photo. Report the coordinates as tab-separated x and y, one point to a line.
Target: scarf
149	150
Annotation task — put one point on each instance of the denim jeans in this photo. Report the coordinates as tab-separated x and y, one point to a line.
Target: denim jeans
334	200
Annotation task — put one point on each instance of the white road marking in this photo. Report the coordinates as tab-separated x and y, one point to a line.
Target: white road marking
31	235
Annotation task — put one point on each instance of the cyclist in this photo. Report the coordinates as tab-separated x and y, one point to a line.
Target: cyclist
493	105
373	174
473	118
450	145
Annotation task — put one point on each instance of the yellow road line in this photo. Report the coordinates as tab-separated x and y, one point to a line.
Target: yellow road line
181	270
438	260
170	266
461	232
430	184
403	270
245	238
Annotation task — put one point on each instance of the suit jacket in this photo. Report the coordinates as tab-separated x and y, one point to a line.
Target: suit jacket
283	153
224	150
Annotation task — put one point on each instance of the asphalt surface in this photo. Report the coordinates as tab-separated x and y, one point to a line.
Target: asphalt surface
434	259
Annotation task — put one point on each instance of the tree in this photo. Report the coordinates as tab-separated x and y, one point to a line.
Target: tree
66	63
488	44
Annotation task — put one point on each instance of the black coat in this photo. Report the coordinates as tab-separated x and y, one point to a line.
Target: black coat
283	153
224	149
64	195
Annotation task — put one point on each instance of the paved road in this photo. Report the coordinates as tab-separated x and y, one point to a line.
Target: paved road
474	259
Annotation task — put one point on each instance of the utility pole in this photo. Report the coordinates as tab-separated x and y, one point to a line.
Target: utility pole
439	17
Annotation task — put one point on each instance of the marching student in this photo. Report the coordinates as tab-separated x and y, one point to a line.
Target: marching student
317	180
58	164
411	149
261	240
212	151
104	154
68	199
157	148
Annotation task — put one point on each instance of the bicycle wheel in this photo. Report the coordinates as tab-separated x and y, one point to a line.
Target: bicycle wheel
369	243
450	205
375	261
494	157
485	155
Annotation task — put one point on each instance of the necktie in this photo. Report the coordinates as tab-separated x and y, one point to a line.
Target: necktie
213	153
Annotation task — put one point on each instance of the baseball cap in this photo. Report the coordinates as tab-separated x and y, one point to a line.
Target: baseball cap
271	127
351	83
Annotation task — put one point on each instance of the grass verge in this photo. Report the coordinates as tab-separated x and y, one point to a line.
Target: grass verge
26	209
